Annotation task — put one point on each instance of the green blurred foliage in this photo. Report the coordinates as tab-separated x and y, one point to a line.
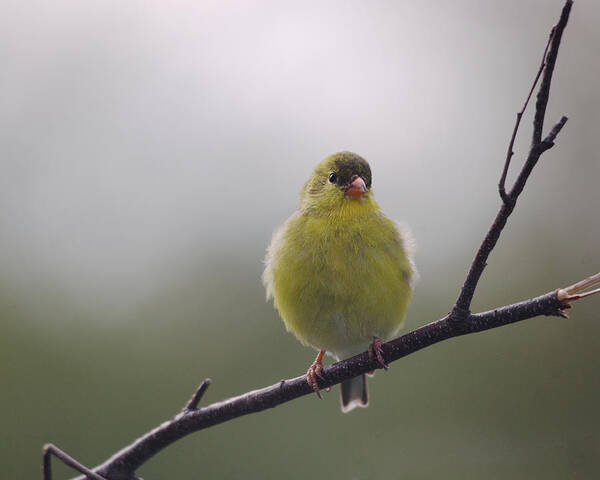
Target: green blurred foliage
517	402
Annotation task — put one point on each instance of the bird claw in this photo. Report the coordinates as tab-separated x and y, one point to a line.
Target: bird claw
376	352
314	372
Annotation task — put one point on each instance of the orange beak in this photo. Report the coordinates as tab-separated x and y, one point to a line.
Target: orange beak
357	187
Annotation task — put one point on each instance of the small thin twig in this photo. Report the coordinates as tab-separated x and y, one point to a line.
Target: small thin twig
548	142
194	400
49	449
510	152
544	91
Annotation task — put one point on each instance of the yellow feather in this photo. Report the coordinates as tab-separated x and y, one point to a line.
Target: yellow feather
339	271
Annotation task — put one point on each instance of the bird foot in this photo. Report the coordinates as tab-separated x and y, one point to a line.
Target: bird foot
376	352
314	371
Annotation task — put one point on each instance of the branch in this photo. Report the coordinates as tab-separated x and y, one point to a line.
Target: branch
193	402
463	303
460	321
510	153
50	449
544	93
124	463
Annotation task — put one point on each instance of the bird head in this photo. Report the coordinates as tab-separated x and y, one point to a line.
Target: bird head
340	178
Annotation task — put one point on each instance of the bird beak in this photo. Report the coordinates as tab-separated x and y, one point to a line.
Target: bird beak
357	187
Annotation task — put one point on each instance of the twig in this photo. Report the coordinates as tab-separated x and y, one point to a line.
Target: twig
544	92
510	152
460	321
48	450
548	142
193	402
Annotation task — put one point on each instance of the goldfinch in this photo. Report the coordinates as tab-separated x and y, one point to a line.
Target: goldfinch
339	271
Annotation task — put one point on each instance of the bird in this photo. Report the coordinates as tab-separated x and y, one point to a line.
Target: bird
340	273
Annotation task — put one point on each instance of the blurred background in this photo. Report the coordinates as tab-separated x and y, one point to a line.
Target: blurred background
148	151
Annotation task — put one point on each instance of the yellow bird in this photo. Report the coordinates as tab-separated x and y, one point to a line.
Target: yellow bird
340	272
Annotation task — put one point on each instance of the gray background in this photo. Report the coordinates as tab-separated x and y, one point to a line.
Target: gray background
148	151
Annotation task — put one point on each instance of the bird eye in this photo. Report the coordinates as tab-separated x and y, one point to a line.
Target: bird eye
332	177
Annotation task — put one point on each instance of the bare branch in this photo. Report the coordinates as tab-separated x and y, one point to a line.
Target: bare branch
548	142
544	92
123	464
510	152
48	450
463	303
197	396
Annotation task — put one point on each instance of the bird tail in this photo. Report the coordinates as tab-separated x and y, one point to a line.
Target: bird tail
354	393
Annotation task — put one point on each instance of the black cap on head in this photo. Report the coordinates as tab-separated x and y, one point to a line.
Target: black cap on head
347	164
